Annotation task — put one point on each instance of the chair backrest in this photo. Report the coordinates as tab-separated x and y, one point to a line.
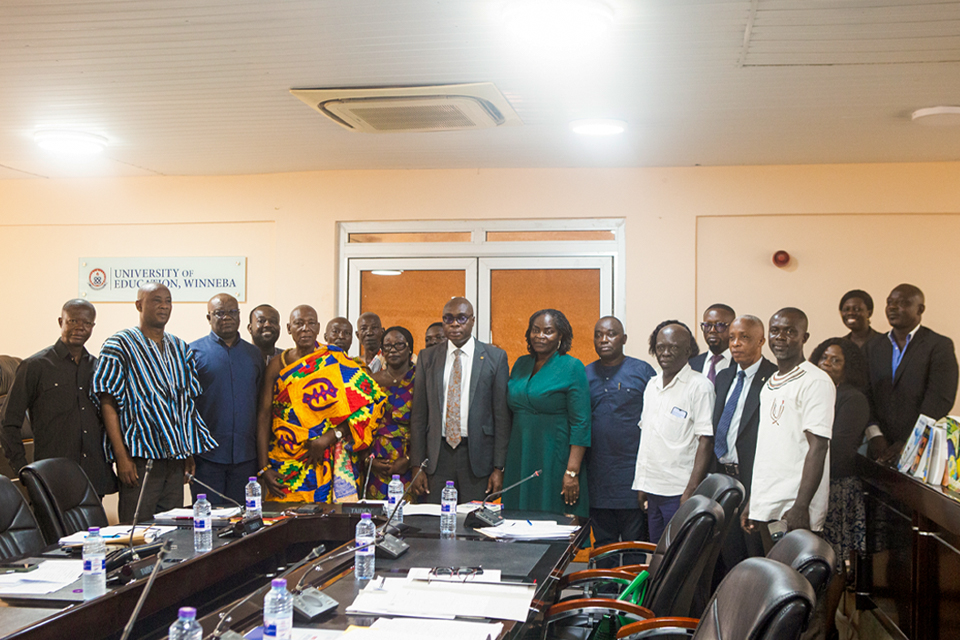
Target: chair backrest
63	499
729	494
760	599
688	541
19	533
809	554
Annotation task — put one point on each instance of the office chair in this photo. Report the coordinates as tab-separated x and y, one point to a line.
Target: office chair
760	599
19	533
809	554
729	494
63	499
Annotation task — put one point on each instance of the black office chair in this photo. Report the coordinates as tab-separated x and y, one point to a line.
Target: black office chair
63	499
675	567
809	554
728	493
19	533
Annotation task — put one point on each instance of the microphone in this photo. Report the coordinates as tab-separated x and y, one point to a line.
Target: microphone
366	483
136	512
237	529
161	555
486	517
390	545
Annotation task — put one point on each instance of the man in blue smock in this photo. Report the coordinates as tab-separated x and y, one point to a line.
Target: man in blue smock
616	382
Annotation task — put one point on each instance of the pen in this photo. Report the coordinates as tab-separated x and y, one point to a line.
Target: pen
529	523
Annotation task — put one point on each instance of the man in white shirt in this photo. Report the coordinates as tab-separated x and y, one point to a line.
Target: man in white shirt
716	332
791	474
677	442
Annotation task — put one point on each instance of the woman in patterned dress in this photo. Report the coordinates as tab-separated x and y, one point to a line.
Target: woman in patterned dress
391	438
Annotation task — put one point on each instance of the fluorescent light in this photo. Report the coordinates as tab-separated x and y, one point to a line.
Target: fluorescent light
71	143
598	127
386	272
937	116
557	23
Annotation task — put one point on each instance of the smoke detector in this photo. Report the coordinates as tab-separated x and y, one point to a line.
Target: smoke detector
452	107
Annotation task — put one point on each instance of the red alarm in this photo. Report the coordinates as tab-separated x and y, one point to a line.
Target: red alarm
781	258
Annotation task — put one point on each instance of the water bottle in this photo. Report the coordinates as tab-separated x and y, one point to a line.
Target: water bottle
394	498
94	565
202	525
278	611
364	557
448	511
253	494
186	627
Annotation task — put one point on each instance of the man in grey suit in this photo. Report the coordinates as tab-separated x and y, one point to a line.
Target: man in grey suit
460	421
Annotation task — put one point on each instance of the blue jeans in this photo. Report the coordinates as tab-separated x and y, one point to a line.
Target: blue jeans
660	509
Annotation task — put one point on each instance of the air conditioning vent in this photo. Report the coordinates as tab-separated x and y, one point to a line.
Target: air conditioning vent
413	109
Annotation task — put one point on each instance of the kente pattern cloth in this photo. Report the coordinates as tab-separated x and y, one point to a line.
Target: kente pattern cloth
315	394
391	439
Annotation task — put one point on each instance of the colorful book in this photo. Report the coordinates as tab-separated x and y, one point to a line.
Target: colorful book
912	450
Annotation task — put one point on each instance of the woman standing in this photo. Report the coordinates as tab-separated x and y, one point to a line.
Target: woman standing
391	439
550	399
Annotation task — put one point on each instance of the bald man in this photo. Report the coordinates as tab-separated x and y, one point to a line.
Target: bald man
912	370
370	333
146	382
339	332
54	387
231	372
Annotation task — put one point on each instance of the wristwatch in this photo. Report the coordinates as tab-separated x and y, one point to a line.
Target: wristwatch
339	434
572	474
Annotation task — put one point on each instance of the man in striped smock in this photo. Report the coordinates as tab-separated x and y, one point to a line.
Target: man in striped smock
146	382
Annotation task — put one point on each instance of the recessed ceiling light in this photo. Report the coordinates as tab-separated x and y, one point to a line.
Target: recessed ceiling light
550	23
598	127
937	116
72	143
386	272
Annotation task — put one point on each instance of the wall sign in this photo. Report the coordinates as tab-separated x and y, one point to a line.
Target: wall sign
189	279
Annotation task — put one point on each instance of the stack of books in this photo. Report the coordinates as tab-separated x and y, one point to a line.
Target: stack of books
930	454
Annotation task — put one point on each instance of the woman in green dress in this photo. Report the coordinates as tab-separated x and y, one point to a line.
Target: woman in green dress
550	399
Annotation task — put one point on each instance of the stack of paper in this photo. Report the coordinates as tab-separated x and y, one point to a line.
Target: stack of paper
434	509
407	629
119	534
49	576
530	530
219	513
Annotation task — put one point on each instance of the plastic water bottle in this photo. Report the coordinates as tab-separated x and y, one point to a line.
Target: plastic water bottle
278	611
202	525
364	562
186	627
94	565
253	495
394	498
448	511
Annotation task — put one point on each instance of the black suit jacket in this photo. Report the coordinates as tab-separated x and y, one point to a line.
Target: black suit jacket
489	419
926	382
749	420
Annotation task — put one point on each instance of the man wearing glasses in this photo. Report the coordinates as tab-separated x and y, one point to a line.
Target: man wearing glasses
230	371
54	387
460	420
716	332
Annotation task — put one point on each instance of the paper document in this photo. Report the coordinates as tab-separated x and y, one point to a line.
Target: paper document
119	534
434	509
530	530
298	633
220	513
413	598
409	629
49	576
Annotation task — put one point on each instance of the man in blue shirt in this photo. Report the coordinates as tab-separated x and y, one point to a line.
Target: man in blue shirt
230	371
616	382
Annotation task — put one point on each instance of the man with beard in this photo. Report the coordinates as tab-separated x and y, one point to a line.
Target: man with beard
716	332
264	329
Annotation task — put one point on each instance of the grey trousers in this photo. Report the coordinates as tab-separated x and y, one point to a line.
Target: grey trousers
164	490
454	464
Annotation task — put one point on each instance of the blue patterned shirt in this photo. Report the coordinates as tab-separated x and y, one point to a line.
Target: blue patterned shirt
155	387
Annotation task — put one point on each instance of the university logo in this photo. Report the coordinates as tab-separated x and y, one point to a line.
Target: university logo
97	279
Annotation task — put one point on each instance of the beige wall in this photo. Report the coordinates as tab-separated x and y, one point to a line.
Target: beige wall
691	238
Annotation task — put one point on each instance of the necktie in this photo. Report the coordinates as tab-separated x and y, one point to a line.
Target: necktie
712	372
726	418
452	421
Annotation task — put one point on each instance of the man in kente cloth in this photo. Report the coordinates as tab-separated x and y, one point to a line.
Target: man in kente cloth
317	408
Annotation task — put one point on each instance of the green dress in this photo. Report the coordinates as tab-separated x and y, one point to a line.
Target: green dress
551	412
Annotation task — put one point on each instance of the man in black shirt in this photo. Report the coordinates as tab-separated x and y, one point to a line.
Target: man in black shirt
54	386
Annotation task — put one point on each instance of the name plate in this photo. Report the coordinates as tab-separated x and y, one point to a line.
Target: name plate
189	279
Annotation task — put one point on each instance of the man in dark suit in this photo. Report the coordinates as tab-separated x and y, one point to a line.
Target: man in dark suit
716	333
736	419
460	421
913	370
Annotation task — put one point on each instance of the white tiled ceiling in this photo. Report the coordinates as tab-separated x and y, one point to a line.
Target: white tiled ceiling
201	87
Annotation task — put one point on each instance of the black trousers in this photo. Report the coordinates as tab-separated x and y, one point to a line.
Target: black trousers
454	464
618	525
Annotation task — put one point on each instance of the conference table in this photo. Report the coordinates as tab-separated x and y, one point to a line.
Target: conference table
236	574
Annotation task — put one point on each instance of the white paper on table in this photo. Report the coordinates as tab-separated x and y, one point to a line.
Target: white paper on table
421	510
49	576
315	634
220	513
423	573
118	534
530	530
402	628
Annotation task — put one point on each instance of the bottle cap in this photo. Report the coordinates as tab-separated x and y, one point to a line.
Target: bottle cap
201	496
94	530
279	583
188	612
364	516
253	478
449	483
396	476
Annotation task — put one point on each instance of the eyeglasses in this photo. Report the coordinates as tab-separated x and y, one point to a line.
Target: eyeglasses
460	319
719	326
224	313
460	572
397	346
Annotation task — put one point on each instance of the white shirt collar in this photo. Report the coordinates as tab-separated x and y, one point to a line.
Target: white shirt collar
750	371
467	348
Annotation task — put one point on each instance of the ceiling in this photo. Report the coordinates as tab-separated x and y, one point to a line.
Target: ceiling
202	87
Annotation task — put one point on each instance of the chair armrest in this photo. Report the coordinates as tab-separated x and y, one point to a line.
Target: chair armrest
635	630
620	547
633	569
595	575
618	605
